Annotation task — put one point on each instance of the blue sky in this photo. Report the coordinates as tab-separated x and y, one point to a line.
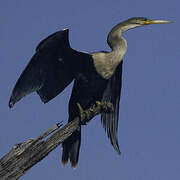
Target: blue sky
150	102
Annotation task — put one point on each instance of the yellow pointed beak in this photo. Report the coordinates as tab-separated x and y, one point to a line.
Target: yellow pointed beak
147	22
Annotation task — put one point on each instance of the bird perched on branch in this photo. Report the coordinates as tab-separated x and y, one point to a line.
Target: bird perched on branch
97	77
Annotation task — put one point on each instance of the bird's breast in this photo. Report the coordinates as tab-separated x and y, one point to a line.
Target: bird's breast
106	63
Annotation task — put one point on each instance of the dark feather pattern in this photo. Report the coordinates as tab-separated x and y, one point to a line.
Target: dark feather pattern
52	68
49	70
112	94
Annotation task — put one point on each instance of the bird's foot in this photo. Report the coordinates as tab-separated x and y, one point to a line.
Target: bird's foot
82	114
85	115
88	114
105	106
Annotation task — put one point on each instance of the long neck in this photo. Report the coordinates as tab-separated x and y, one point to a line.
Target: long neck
121	46
119	50
115	35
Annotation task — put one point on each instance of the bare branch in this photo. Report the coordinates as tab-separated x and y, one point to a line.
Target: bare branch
25	155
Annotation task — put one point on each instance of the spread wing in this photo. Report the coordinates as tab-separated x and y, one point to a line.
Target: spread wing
112	94
49	71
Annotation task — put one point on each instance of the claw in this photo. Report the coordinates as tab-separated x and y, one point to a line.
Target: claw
108	106
99	104
87	115
82	114
105	106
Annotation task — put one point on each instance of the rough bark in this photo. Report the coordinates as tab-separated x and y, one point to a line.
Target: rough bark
25	155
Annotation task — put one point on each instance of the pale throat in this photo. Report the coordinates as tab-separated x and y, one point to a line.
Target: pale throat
106	63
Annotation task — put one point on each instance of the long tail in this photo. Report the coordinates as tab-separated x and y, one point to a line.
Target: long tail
71	149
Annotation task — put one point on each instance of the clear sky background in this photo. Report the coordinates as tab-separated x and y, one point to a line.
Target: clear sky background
150	102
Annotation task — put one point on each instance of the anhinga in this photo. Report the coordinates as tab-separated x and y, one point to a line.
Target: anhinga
97	77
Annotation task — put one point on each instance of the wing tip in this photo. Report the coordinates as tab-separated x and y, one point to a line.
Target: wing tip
118	151
115	144
65	29
11	103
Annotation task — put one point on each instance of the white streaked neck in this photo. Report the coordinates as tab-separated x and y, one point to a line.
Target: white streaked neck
119	50
106	63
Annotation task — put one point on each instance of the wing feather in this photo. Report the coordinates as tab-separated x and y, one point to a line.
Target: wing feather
112	94
49	71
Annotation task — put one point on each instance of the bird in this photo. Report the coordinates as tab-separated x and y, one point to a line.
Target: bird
97	77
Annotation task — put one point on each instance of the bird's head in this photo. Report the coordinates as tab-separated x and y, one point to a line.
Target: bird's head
116	32
141	21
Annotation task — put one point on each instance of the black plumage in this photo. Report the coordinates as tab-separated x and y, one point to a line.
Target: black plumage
97	77
54	66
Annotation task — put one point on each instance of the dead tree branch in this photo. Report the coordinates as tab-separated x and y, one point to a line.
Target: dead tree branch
25	155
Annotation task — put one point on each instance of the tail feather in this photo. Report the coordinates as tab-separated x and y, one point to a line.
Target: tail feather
71	149
65	155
